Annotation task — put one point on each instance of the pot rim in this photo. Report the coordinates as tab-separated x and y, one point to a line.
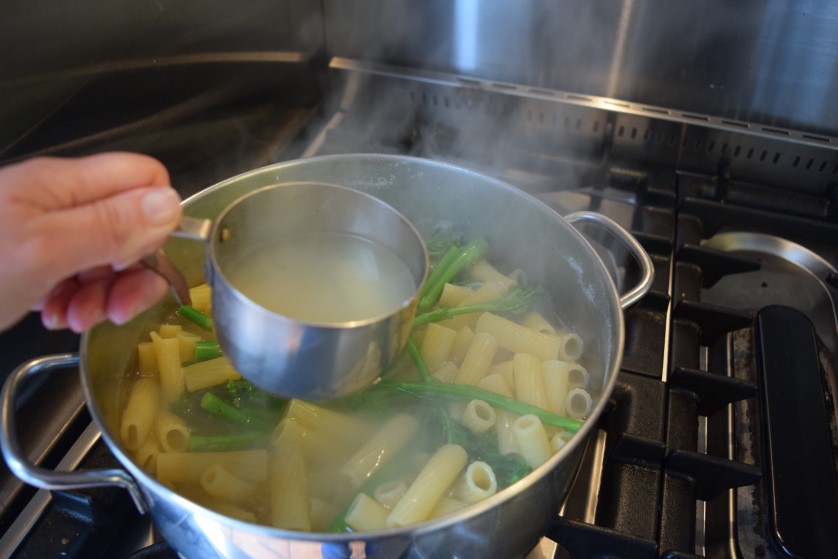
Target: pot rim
147	482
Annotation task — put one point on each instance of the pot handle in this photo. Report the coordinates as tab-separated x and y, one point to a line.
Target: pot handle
632	245
34	475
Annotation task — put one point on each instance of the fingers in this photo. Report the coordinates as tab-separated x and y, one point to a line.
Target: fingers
81	303
116	231
56	183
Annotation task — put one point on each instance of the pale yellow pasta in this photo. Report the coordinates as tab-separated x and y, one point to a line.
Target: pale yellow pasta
479	416
211	372
169	330
571	346
477	360
146	455
187	467
171	431
289	494
520	276
388	494
366	514
484	293
532	440
436	345
517	338
555	381
456	410
502	368
138	415
380	449
478	482
559	440
218	482
495	383
534	320
317	418
201	296
503	419
446	372
319	447
146	359
461	344
187	345
168	364
452	295
577	376
529	380
507	443
579	403
429	486
447	505
484	271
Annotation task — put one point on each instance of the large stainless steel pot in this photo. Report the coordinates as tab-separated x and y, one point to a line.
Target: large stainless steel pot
523	233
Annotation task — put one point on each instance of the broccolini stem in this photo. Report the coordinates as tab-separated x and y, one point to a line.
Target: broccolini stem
416	357
196	316
224	411
466	393
237	441
466	256
206	350
440	267
518	300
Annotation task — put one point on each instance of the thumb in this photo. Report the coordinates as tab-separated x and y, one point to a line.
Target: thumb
117	230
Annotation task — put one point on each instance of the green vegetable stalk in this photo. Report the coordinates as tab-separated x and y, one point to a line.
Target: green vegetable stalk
206	350
416	357
194	315
224	411
450	267
517	301
466	393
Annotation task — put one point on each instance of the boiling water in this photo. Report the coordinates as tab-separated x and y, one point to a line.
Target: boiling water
324	277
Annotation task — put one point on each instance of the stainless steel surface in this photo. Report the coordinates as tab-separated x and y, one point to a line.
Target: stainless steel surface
769	63
24	522
17	460
297	358
509	523
637	251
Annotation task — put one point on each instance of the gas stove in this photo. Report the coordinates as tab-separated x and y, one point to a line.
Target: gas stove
721	438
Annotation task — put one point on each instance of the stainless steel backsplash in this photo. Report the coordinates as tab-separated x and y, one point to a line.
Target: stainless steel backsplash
773	62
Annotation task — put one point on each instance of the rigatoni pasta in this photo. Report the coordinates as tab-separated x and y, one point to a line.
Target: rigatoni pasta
382	458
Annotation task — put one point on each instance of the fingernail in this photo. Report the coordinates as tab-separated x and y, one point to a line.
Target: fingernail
161	205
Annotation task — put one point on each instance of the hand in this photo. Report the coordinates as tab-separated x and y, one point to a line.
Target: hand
71	232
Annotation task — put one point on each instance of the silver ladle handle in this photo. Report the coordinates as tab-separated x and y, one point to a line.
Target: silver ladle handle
189	228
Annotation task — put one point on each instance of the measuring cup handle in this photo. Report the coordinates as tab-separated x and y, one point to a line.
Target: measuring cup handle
635	249
189	228
20	465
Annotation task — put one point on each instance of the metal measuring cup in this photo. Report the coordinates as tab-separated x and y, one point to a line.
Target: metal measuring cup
287	356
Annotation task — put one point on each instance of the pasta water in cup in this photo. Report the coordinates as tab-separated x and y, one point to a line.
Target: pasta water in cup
314	287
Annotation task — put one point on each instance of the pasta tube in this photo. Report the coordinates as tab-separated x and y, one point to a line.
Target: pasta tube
218	482
289	489
436	345
477	483
171	431
187	467
388	494
380	449
479	416
209	373
146	359
529	380
477	360
579	403
366	514
518	339
556	383
484	271
168	364
138	417
532	440
429	486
